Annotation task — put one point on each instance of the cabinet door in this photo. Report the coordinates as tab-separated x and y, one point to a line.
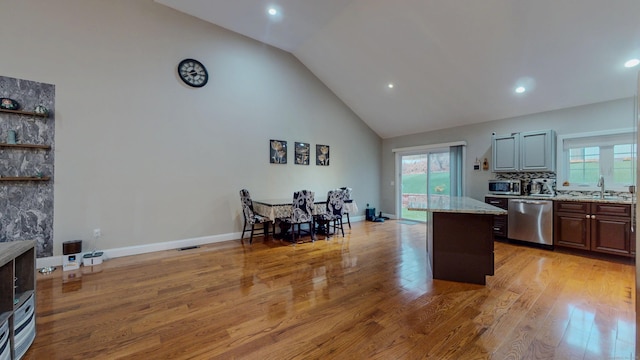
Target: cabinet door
537	151
611	235
500	226
572	230
505	151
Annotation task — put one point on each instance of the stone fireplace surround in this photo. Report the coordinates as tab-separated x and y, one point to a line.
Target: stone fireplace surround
26	207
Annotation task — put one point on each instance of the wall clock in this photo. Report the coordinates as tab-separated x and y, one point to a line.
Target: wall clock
193	73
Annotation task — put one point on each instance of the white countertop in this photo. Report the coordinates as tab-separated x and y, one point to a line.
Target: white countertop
455	204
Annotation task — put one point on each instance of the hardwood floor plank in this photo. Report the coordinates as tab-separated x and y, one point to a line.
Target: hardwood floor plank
369	295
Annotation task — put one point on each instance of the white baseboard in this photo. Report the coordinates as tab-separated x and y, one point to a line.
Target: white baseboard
143	249
355	218
48	261
147	248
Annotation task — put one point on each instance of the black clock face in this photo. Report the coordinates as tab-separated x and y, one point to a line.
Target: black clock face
193	73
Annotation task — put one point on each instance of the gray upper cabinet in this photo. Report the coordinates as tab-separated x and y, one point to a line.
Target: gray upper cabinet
506	152
526	151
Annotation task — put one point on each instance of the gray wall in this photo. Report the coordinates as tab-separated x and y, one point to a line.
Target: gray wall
593	117
148	159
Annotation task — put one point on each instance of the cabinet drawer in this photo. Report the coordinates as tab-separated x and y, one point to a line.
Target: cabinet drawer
612	209
502	203
572	207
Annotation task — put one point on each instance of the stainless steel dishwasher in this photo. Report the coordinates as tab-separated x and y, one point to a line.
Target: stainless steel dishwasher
531	220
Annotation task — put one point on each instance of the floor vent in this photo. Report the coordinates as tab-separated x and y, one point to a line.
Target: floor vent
188	248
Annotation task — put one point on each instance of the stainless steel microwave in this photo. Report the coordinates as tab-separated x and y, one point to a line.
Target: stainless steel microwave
505	187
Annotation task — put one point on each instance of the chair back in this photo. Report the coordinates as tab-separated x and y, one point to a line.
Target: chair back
347	192
302	207
247	206
335	202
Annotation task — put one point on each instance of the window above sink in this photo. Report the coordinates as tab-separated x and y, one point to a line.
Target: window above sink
582	158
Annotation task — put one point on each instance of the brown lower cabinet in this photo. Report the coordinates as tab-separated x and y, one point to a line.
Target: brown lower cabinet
499	221
593	226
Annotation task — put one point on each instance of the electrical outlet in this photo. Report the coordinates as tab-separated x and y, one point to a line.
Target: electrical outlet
97	233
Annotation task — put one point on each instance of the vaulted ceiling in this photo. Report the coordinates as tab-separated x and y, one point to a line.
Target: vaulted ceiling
452	62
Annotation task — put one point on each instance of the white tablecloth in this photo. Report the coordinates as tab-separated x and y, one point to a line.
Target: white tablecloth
281	208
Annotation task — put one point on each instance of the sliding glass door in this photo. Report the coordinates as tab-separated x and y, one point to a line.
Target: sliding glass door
413	183
428	172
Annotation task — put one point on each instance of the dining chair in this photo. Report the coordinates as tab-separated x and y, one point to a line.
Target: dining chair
301	213
347	196
251	218
334	211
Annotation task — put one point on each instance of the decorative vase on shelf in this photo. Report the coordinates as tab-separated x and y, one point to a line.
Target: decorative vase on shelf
41	110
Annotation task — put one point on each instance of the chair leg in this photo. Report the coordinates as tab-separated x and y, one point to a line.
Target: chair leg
266	230
348	222
311	230
251	236
293	234
243	229
341	226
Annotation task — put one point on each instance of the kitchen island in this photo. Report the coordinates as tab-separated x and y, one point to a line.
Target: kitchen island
459	237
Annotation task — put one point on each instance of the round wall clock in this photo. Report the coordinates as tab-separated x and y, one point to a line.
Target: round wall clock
193	73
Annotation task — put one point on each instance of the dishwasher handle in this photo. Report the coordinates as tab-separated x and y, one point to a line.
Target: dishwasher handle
532	202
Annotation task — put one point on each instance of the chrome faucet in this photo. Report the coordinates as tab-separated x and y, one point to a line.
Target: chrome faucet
601	185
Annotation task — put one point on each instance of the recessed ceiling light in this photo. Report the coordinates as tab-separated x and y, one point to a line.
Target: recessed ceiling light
272	11
631	63
520	89
390	86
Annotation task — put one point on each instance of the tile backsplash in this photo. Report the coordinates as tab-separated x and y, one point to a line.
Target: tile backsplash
526	177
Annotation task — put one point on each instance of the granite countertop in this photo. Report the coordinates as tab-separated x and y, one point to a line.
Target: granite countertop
607	199
456	204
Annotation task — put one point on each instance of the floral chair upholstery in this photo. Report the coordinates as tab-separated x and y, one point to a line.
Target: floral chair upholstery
251	218
347	196
335	210
301	212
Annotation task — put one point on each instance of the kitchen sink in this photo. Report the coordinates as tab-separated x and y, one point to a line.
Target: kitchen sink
607	197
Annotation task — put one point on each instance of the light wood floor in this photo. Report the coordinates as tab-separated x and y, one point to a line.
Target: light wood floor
367	296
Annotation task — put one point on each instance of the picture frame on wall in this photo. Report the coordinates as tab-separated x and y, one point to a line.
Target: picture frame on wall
302	153
322	155
277	151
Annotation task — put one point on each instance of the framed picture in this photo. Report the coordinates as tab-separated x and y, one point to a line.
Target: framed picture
322	155
277	151
302	153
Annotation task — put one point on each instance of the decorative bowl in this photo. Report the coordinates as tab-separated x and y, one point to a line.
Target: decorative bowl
9	104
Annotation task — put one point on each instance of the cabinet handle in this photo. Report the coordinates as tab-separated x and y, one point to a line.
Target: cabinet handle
593	216
496	228
587	216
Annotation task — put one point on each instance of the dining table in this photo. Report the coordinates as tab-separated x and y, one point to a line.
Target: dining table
280	208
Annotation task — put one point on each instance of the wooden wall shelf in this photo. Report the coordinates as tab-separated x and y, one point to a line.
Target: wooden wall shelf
25	178
26	146
20	112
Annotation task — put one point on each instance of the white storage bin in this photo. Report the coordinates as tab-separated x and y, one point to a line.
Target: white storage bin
24	327
5	346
